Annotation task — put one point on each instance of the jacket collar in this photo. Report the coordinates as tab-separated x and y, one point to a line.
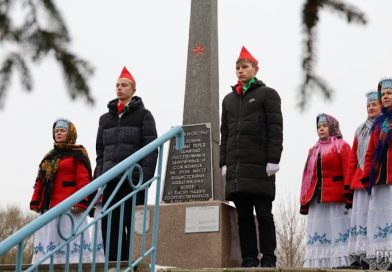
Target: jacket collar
258	83
135	103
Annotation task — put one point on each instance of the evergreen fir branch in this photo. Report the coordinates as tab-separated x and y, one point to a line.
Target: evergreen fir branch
42	41
56	18
5	75
4	19
310	18
37	41
14	61
351	13
25	75
75	72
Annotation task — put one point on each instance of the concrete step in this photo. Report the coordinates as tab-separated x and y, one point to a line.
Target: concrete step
279	269
99	267
145	268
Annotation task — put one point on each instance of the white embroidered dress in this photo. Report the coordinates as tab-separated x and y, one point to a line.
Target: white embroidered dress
47	239
327	236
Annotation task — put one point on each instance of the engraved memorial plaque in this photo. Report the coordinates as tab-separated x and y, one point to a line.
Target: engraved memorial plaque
139	217
202	219
188	171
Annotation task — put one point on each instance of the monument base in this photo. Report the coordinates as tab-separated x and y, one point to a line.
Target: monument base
197	248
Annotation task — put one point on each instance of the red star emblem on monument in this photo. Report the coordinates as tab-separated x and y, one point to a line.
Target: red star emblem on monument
198	50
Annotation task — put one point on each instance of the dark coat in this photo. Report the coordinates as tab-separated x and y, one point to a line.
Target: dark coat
251	136
118	138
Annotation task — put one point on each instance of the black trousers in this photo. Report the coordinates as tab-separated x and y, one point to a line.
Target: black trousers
247	228
115	227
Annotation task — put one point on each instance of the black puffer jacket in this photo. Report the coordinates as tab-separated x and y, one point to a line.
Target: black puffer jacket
251	136
118	138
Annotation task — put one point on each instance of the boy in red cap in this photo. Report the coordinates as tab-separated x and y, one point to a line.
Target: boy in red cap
250	150
126	128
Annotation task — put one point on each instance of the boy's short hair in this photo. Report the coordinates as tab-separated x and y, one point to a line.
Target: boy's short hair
240	61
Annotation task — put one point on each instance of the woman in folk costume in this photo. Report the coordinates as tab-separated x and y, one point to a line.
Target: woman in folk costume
62	172
377	178
360	201
322	197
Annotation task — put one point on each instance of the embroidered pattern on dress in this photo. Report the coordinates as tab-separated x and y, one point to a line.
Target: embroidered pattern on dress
360	230
343	237
99	247
86	247
353	231
51	247
77	247
322	239
38	248
383	232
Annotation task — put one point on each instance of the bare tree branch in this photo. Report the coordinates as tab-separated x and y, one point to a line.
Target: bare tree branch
290	233
12	219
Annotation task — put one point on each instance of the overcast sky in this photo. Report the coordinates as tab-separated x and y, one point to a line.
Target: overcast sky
151	39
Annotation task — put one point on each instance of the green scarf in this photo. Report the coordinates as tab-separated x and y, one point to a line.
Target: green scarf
246	87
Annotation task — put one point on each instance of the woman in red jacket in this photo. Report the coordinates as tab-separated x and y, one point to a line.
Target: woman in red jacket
322	197
377	178
360	201
62	172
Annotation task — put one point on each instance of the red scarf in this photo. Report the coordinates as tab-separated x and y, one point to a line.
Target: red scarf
238	88
120	107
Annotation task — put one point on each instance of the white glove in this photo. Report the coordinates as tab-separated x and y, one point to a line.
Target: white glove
224	168
272	168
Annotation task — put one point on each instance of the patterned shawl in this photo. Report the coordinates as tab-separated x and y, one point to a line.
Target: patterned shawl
363	135
49	165
382	126
334	142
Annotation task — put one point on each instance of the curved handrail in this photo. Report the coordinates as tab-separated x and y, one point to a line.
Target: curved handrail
92	187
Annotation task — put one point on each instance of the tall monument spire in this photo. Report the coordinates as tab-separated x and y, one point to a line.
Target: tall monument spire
201	103
193	174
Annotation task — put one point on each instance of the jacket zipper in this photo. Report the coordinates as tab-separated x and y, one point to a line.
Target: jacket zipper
237	138
117	141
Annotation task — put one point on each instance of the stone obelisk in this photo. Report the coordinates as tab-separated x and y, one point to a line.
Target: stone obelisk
197	228
201	103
